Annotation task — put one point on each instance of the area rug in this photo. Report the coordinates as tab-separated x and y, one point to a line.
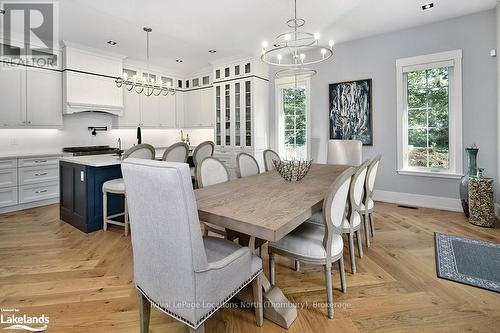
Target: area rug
468	261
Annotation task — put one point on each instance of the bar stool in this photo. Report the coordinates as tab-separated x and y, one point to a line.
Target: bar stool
117	186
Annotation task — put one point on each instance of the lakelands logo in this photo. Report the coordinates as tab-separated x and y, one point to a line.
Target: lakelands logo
24	322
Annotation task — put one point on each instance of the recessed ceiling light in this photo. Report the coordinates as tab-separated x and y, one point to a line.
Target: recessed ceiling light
178	60
276	45
112	42
211	51
2	11
428	6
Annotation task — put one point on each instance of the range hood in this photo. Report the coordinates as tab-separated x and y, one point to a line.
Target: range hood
89	81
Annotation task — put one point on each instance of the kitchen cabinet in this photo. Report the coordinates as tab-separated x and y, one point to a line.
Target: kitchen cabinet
13	96
198	108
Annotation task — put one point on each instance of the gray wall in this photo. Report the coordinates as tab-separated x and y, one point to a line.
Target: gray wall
375	57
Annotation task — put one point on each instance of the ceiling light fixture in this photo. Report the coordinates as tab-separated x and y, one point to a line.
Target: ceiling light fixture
2	11
147	85
178	61
112	42
211	51
296	49
428	6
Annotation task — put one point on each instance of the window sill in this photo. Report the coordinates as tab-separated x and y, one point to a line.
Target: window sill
430	174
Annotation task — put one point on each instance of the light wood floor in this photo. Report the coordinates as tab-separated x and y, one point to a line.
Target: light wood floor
84	282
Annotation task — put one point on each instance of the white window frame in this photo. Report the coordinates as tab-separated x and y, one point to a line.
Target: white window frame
291	82
453	60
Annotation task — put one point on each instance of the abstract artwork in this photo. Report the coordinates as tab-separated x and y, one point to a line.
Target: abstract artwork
351	111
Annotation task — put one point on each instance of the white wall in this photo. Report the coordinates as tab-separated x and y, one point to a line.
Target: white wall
75	133
375	58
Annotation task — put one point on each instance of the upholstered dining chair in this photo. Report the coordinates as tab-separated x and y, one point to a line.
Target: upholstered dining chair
117	186
204	149
246	165
345	152
269	156
319	244
178	152
368	205
183	274
211	171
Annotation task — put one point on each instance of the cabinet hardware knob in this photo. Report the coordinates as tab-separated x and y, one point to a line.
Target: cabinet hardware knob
40	174
40	161
41	191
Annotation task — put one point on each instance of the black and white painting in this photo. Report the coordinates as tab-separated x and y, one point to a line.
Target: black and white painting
351	111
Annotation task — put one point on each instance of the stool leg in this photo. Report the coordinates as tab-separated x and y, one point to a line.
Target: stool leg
104	211
125	216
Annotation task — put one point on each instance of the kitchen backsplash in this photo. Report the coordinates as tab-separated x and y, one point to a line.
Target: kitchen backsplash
75	133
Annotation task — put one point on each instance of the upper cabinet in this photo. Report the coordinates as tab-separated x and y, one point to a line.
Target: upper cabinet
89	81
198	102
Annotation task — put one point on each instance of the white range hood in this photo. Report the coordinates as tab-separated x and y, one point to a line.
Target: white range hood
89	81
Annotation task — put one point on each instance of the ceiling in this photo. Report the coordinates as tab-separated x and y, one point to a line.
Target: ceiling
187	29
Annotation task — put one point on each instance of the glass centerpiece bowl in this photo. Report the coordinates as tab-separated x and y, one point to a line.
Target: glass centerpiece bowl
292	170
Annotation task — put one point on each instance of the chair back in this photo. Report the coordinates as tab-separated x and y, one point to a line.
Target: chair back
345	152
178	152
204	149
269	156
371	175
334	207
211	171
166	237
246	165
357	191
142	150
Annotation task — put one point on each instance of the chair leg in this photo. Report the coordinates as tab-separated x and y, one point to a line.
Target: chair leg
200	329
351	252
144	312
342	275
272	269
360	243
125	216
104	211
257	300
367	236
372	225
329	290
297	266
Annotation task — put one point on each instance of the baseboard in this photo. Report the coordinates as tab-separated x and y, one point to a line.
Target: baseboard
28	205
418	200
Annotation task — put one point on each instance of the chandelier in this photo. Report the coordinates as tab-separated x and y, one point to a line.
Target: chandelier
147	86
296	49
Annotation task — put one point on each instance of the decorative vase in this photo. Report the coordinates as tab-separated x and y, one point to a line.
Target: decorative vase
471	171
481	202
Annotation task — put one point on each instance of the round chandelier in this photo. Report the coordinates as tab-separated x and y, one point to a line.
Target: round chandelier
296	49
146	86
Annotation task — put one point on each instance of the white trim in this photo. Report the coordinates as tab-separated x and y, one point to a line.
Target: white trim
497	211
455	110
418	200
28	205
288	82
426	173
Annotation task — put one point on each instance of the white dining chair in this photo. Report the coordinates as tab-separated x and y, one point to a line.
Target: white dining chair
117	186
203	150
368	205
183	274
211	171
246	165
178	152
345	152
319	244
269	156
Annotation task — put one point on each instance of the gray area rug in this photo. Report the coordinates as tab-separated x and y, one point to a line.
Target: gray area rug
468	261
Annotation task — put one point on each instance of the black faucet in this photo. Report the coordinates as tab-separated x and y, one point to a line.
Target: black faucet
139	136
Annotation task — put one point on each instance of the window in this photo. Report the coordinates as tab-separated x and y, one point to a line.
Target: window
429	92
293	118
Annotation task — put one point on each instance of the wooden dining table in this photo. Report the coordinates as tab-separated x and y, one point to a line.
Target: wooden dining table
264	208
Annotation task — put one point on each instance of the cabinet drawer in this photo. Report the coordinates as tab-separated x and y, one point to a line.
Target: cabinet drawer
30	193
8	177
8	196
37	161
8	164
37	175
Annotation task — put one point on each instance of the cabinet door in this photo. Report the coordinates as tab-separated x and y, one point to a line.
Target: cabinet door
180	107
167	111
13	95
248	114
206	107
132	110
150	111
192	109
218	113
227	115
44	97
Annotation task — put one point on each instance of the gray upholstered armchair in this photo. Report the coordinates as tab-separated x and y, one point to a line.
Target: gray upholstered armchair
183	274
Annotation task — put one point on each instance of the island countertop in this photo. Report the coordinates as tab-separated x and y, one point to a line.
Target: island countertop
93	160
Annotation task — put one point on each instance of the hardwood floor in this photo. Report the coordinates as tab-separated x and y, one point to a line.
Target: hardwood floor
83	282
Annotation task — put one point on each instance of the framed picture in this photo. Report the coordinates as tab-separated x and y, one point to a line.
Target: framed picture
351	111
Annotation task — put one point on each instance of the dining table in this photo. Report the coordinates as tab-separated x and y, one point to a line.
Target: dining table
265	208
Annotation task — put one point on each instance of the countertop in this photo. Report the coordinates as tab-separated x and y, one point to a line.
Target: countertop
29	154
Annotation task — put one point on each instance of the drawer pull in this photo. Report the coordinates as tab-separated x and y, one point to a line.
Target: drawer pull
40	161
40	191
40	174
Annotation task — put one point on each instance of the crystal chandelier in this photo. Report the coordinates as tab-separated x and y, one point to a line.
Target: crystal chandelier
296	49
147	86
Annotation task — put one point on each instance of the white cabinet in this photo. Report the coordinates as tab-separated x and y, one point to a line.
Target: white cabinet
198	108
13	96
8	196
44	97
132	110
168	116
